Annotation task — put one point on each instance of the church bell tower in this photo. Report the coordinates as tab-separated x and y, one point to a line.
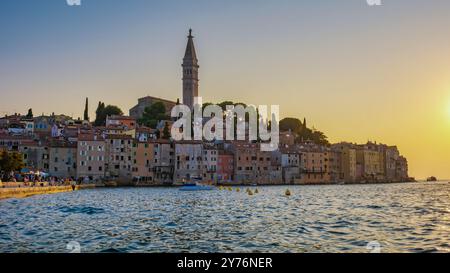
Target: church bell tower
190	73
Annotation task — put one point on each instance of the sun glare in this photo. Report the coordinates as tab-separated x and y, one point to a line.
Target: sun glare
448	109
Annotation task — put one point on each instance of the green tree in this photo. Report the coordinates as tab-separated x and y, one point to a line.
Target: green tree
205	105
112	110
10	161
166	131
86	111
29	114
302	131
293	124
153	114
319	137
99	116
102	112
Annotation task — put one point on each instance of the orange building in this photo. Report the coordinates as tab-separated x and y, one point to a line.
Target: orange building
314	165
144	156
128	122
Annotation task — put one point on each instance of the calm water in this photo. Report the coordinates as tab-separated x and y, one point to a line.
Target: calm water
401	217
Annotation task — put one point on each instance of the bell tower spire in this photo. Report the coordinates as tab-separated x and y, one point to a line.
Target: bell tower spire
190	73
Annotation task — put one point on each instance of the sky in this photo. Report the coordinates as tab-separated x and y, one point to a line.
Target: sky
356	72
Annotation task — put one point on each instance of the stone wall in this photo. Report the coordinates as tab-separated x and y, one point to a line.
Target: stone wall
30	191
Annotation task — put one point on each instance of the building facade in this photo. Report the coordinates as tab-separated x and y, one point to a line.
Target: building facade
91	153
225	166
119	159
138	110
164	160
63	159
210	163
144	156
315	165
188	161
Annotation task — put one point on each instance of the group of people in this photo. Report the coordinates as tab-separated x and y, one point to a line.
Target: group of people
31	179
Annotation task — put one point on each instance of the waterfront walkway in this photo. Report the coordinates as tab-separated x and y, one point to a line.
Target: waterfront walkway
21	192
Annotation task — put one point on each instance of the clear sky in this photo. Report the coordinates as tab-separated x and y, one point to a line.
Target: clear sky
356	72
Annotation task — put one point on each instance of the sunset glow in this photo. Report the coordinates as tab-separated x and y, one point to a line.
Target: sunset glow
371	74
255	131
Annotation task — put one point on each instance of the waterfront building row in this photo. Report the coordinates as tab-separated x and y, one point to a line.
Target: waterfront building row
122	150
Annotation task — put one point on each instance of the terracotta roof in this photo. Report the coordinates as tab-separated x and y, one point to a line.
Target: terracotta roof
62	144
118	137
90	137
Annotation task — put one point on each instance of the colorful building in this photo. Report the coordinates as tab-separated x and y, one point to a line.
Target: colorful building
91	152
225	166
119	160
314	165
63	159
347	168
164	161
290	163
144	157
370	162
188	161
210	163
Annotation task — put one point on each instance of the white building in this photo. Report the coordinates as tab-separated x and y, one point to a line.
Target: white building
188	161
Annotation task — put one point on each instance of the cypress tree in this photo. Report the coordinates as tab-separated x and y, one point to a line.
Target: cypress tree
30	113
86	111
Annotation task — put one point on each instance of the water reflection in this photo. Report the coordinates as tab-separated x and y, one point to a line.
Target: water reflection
401	217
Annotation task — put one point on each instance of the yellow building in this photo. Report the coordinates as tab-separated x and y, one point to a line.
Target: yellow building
347	172
370	162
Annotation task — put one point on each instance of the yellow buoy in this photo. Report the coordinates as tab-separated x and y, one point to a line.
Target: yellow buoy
256	191
238	190
288	192
250	192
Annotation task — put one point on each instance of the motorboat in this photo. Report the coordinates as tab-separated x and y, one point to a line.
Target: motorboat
196	187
